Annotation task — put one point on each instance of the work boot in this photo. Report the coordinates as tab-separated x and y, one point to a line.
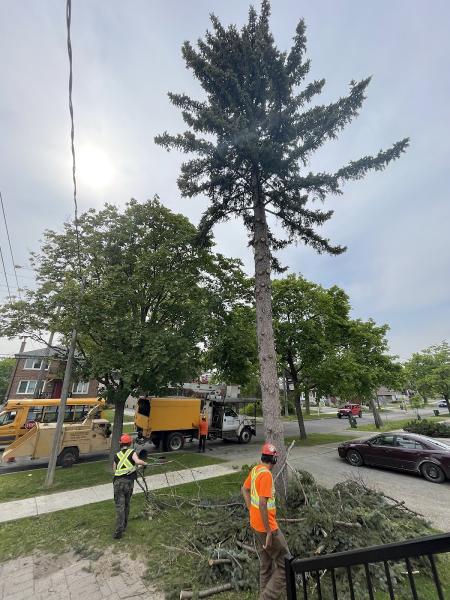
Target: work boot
117	535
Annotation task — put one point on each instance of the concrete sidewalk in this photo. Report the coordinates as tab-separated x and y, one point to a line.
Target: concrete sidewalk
40	505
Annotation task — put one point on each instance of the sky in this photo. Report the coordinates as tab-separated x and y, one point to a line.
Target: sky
127	56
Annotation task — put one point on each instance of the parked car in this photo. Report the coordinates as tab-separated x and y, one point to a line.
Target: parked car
403	451
349	410
442	404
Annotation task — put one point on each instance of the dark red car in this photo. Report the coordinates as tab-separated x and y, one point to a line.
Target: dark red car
350	410
402	451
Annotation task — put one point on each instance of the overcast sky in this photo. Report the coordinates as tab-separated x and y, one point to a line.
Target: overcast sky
127	56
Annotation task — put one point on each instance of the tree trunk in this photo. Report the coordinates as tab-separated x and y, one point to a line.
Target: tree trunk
307	401
299	413
376	414
446	398
118	397
273	425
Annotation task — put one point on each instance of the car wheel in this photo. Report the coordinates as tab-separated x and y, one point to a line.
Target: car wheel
339	416
432	472
68	458
354	458
175	441
246	436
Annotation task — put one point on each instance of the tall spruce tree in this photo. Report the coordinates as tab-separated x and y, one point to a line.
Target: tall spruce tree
253	135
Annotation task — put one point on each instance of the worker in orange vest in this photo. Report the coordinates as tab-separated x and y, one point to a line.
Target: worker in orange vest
259	495
203	433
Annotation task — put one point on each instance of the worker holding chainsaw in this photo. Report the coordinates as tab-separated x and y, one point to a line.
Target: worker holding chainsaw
259	495
125	464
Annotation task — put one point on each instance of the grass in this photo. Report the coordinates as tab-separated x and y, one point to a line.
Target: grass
88	533
315	439
26	484
109	414
397	423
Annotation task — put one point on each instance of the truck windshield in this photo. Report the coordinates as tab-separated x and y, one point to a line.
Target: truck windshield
7	417
144	407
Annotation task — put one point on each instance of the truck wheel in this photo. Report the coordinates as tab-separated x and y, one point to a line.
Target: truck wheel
246	436
339	416
68	457
175	441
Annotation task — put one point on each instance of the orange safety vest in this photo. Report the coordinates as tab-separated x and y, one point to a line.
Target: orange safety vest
203	427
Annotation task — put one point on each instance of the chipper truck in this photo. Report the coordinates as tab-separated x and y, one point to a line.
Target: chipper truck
91	436
171	421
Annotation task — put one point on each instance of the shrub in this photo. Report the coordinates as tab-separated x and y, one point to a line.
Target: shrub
429	428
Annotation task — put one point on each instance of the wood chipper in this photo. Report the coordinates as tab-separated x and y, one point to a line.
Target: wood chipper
92	436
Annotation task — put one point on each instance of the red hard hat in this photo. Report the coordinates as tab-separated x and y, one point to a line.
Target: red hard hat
125	439
269	450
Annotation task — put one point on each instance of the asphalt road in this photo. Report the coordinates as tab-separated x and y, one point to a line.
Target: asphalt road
429	499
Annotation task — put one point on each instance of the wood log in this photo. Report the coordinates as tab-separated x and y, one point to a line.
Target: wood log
185	595
245	547
219	561
345	524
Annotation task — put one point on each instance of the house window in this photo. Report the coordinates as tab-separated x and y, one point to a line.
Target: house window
34	364
27	387
82	387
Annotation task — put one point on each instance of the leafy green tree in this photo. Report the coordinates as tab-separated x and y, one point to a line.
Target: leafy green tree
6	368
232	350
252	136
429	371
310	331
149	293
365	365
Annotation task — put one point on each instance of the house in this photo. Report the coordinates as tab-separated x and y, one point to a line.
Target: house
387	396
47	367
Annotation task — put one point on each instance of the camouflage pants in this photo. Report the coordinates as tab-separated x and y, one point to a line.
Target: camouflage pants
123	490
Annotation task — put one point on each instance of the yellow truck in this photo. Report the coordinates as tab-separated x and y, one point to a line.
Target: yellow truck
171	421
92	436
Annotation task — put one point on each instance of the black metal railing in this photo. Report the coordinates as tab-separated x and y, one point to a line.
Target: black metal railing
317	574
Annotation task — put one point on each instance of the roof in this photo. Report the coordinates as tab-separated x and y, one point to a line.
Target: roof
58	351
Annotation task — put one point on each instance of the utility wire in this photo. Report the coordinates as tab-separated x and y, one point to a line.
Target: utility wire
10	247
4	272
72	131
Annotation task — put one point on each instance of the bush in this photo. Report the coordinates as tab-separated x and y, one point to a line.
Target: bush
249	410
429	428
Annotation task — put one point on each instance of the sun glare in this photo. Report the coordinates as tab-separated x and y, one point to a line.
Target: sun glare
94	168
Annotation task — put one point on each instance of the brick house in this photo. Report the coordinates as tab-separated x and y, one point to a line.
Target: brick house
29	370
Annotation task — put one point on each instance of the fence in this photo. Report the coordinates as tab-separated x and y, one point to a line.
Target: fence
315	570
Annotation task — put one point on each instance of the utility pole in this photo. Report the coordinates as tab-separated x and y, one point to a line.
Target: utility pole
61	410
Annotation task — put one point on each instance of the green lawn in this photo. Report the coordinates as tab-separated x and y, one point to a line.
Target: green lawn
315	439
397	424
109	414
26	484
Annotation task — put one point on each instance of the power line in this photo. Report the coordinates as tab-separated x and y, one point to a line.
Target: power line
9	242
4	272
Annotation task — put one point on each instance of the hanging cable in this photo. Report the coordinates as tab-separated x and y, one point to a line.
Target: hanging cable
72	131
4	273
10	246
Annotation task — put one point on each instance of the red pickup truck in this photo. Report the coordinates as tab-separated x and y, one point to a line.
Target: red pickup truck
348	410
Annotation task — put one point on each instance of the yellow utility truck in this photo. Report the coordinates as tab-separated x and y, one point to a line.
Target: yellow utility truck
92	436
171	421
